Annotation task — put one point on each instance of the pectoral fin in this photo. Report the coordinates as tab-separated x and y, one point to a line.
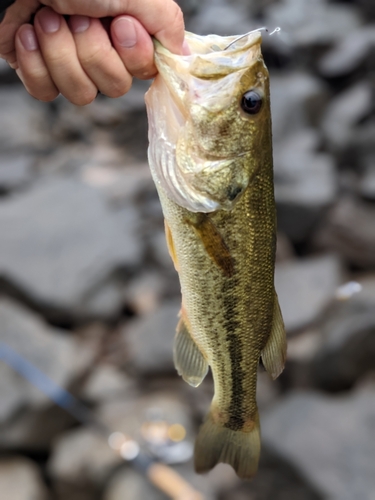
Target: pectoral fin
274	353
188	359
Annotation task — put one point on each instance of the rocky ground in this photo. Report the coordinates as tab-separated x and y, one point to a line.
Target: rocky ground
88	293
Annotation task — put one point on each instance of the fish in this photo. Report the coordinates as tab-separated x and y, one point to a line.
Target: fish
210	156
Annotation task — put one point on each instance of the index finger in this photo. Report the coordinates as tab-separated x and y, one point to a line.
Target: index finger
161	18
17	14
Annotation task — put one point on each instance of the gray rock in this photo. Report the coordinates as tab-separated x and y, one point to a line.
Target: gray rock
368	9
61	245
298	101
344	113
222	18
305	183
49	349
284	249
328	439
16	171
144	295
79	121
189	7
120	185
305	288
149	340
349	53
312	23
106	382
22	121
34	430
25	411
132	485
276	479
20	479
347	350
367	179
349	230
80	463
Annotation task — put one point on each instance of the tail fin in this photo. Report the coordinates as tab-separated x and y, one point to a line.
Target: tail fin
239	449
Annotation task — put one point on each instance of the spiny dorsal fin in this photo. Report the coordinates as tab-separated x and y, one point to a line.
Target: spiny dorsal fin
188	359
274	353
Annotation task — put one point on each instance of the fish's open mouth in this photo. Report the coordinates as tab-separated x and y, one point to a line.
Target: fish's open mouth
212	56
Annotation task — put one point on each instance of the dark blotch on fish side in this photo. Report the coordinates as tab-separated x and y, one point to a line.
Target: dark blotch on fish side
232	326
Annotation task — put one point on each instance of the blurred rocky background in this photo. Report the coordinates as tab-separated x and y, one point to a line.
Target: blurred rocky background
89	295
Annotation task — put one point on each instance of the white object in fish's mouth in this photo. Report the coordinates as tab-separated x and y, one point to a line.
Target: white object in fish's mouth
196	178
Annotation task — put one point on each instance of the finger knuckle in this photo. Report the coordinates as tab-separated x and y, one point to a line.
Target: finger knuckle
118	88
83	98
94	57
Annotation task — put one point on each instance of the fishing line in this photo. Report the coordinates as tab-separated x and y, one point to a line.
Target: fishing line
276	30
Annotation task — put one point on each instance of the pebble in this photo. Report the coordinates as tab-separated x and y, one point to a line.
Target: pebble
305	183
20	479
16	171
23	121
349	53
344	113
298	101
349	231
347	350
81	460
106	382
132	485
221	18
305	288
366	185
149	340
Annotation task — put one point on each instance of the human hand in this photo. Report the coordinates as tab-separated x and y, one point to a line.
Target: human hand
76	57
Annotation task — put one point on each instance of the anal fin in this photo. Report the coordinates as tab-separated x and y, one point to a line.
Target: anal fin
188	359
274	353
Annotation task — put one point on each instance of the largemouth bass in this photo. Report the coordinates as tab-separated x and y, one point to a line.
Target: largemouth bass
210	156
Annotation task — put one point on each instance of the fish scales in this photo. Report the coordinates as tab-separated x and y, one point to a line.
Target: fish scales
221	233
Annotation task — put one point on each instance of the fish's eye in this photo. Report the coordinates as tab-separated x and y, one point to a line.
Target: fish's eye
251	102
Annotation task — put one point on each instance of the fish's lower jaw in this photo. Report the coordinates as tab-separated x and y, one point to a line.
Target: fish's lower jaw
216	443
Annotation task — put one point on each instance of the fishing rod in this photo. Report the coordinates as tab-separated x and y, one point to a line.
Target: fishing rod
160	475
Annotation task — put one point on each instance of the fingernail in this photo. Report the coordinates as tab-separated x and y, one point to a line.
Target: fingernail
124	31
79	24
28	38
49	20
186	49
